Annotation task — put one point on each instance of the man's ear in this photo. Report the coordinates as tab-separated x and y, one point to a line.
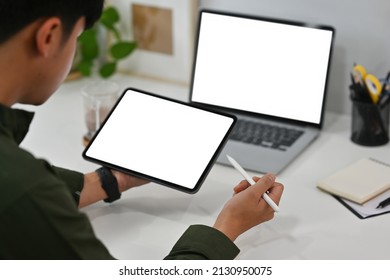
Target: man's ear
48	36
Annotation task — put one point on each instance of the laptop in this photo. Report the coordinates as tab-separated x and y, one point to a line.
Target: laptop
272	75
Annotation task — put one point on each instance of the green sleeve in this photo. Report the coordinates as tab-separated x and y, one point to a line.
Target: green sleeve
45	223
201	242
74	180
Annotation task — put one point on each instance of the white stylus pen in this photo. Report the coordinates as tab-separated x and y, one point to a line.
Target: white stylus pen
250	180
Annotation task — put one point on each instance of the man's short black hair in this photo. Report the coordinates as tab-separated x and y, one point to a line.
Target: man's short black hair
17	14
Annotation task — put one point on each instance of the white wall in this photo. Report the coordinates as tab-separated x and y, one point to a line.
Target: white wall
362	34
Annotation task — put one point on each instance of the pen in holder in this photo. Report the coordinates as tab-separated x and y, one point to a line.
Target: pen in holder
370	122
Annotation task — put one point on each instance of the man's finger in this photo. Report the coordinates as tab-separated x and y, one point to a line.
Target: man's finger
264	183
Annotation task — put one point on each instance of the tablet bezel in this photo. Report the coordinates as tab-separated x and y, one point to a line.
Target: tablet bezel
150	177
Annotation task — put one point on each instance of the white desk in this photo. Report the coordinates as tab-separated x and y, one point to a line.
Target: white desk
147	221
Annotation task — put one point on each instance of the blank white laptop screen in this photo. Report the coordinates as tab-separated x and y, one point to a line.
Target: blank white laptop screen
273	68
166	141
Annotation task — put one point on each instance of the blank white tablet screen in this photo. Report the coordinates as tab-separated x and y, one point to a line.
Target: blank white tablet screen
166	140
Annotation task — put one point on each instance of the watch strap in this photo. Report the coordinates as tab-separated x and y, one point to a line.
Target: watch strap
109	184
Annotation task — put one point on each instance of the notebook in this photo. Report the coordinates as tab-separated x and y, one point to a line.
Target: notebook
165	141
359	182
262	69
368	209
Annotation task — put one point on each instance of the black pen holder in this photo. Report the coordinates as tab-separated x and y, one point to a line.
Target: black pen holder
370	123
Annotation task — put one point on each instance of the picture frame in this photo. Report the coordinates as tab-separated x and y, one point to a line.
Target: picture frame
165	33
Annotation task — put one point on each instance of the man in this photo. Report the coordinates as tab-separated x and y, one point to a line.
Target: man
39	203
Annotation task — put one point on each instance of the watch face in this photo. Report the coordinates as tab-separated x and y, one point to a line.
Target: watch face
163	140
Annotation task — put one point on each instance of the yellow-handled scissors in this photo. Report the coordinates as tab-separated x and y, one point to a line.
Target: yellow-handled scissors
370	81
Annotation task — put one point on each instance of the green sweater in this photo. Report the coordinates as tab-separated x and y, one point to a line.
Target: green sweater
39	217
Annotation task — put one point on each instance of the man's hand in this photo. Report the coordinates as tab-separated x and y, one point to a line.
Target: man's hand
247	208
93	192
126	182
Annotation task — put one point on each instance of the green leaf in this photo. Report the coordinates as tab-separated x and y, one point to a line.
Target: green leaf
89	45
107	69
109	17
122	49
87	36
85	67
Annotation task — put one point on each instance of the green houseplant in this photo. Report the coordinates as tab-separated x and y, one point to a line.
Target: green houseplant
90	49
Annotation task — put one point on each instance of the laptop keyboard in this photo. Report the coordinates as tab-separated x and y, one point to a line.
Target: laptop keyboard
264	134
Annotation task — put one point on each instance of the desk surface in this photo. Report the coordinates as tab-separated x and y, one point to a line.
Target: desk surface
148	220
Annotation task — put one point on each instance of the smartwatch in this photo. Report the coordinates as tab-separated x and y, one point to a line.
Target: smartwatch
109	184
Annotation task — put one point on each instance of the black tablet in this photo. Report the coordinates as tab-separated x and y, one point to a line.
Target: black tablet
163	140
